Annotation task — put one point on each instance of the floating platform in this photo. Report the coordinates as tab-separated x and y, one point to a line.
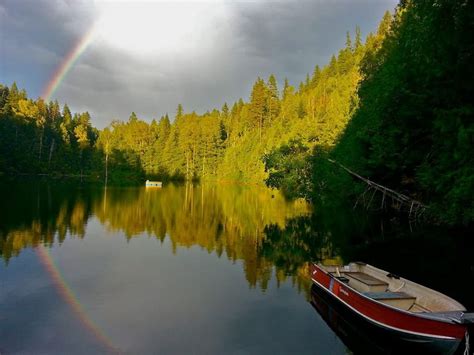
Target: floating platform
149	183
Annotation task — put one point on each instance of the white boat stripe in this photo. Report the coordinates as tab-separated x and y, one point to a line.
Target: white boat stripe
383	324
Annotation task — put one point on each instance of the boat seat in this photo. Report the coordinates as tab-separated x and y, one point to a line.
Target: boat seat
419	309
400	300
387	295
366	279
366	283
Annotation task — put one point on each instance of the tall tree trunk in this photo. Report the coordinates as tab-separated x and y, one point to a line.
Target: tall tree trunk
105	198
187	165
50	153
106	168
80	159
193	161
41	145
311	107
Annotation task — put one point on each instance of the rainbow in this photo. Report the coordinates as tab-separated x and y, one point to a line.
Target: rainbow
44	256
66	65
68	295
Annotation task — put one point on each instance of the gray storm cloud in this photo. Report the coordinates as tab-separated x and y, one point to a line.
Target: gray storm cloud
256	39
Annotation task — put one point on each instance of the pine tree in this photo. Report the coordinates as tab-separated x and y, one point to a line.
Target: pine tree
258	107
285	89
13	98
225	111
179	112
133	117
348	41
273	99
358	39
40	121
4	93
316	75
333	67
105	142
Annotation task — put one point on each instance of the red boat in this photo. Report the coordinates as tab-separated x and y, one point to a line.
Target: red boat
404	308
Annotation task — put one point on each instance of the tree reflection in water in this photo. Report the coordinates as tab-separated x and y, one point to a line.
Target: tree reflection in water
249	224
223	219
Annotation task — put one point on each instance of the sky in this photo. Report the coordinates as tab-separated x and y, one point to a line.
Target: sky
149	56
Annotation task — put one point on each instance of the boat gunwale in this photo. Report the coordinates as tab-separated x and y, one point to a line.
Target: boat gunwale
384	325
340	303
419	315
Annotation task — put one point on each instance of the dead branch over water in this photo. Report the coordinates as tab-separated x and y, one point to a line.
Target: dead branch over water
398	200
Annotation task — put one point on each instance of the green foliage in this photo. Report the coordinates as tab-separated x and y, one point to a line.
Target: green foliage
397	109
224	144
411	121
414	126
35	137
289	168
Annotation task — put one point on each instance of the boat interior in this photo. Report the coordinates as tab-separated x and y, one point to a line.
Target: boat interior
392	290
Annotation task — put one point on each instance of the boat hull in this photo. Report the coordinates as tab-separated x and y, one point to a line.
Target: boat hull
364	337
407	326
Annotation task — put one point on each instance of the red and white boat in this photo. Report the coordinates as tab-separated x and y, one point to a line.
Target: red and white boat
409	310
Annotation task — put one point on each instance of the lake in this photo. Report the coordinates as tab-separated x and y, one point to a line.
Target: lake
203	269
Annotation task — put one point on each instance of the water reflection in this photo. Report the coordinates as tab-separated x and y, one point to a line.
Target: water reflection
226	219
437	257
35	214
241	223
361	336
440	258
141	262
177	270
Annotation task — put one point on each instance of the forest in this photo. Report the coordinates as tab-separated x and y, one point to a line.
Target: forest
228	143
413	127
396	108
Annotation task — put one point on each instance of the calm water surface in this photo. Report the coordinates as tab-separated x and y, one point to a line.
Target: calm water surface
204	269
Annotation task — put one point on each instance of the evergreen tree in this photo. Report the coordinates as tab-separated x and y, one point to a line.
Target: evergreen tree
285	89
105	142
179	112
258	107
225	111
316	76
358	39
273	99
